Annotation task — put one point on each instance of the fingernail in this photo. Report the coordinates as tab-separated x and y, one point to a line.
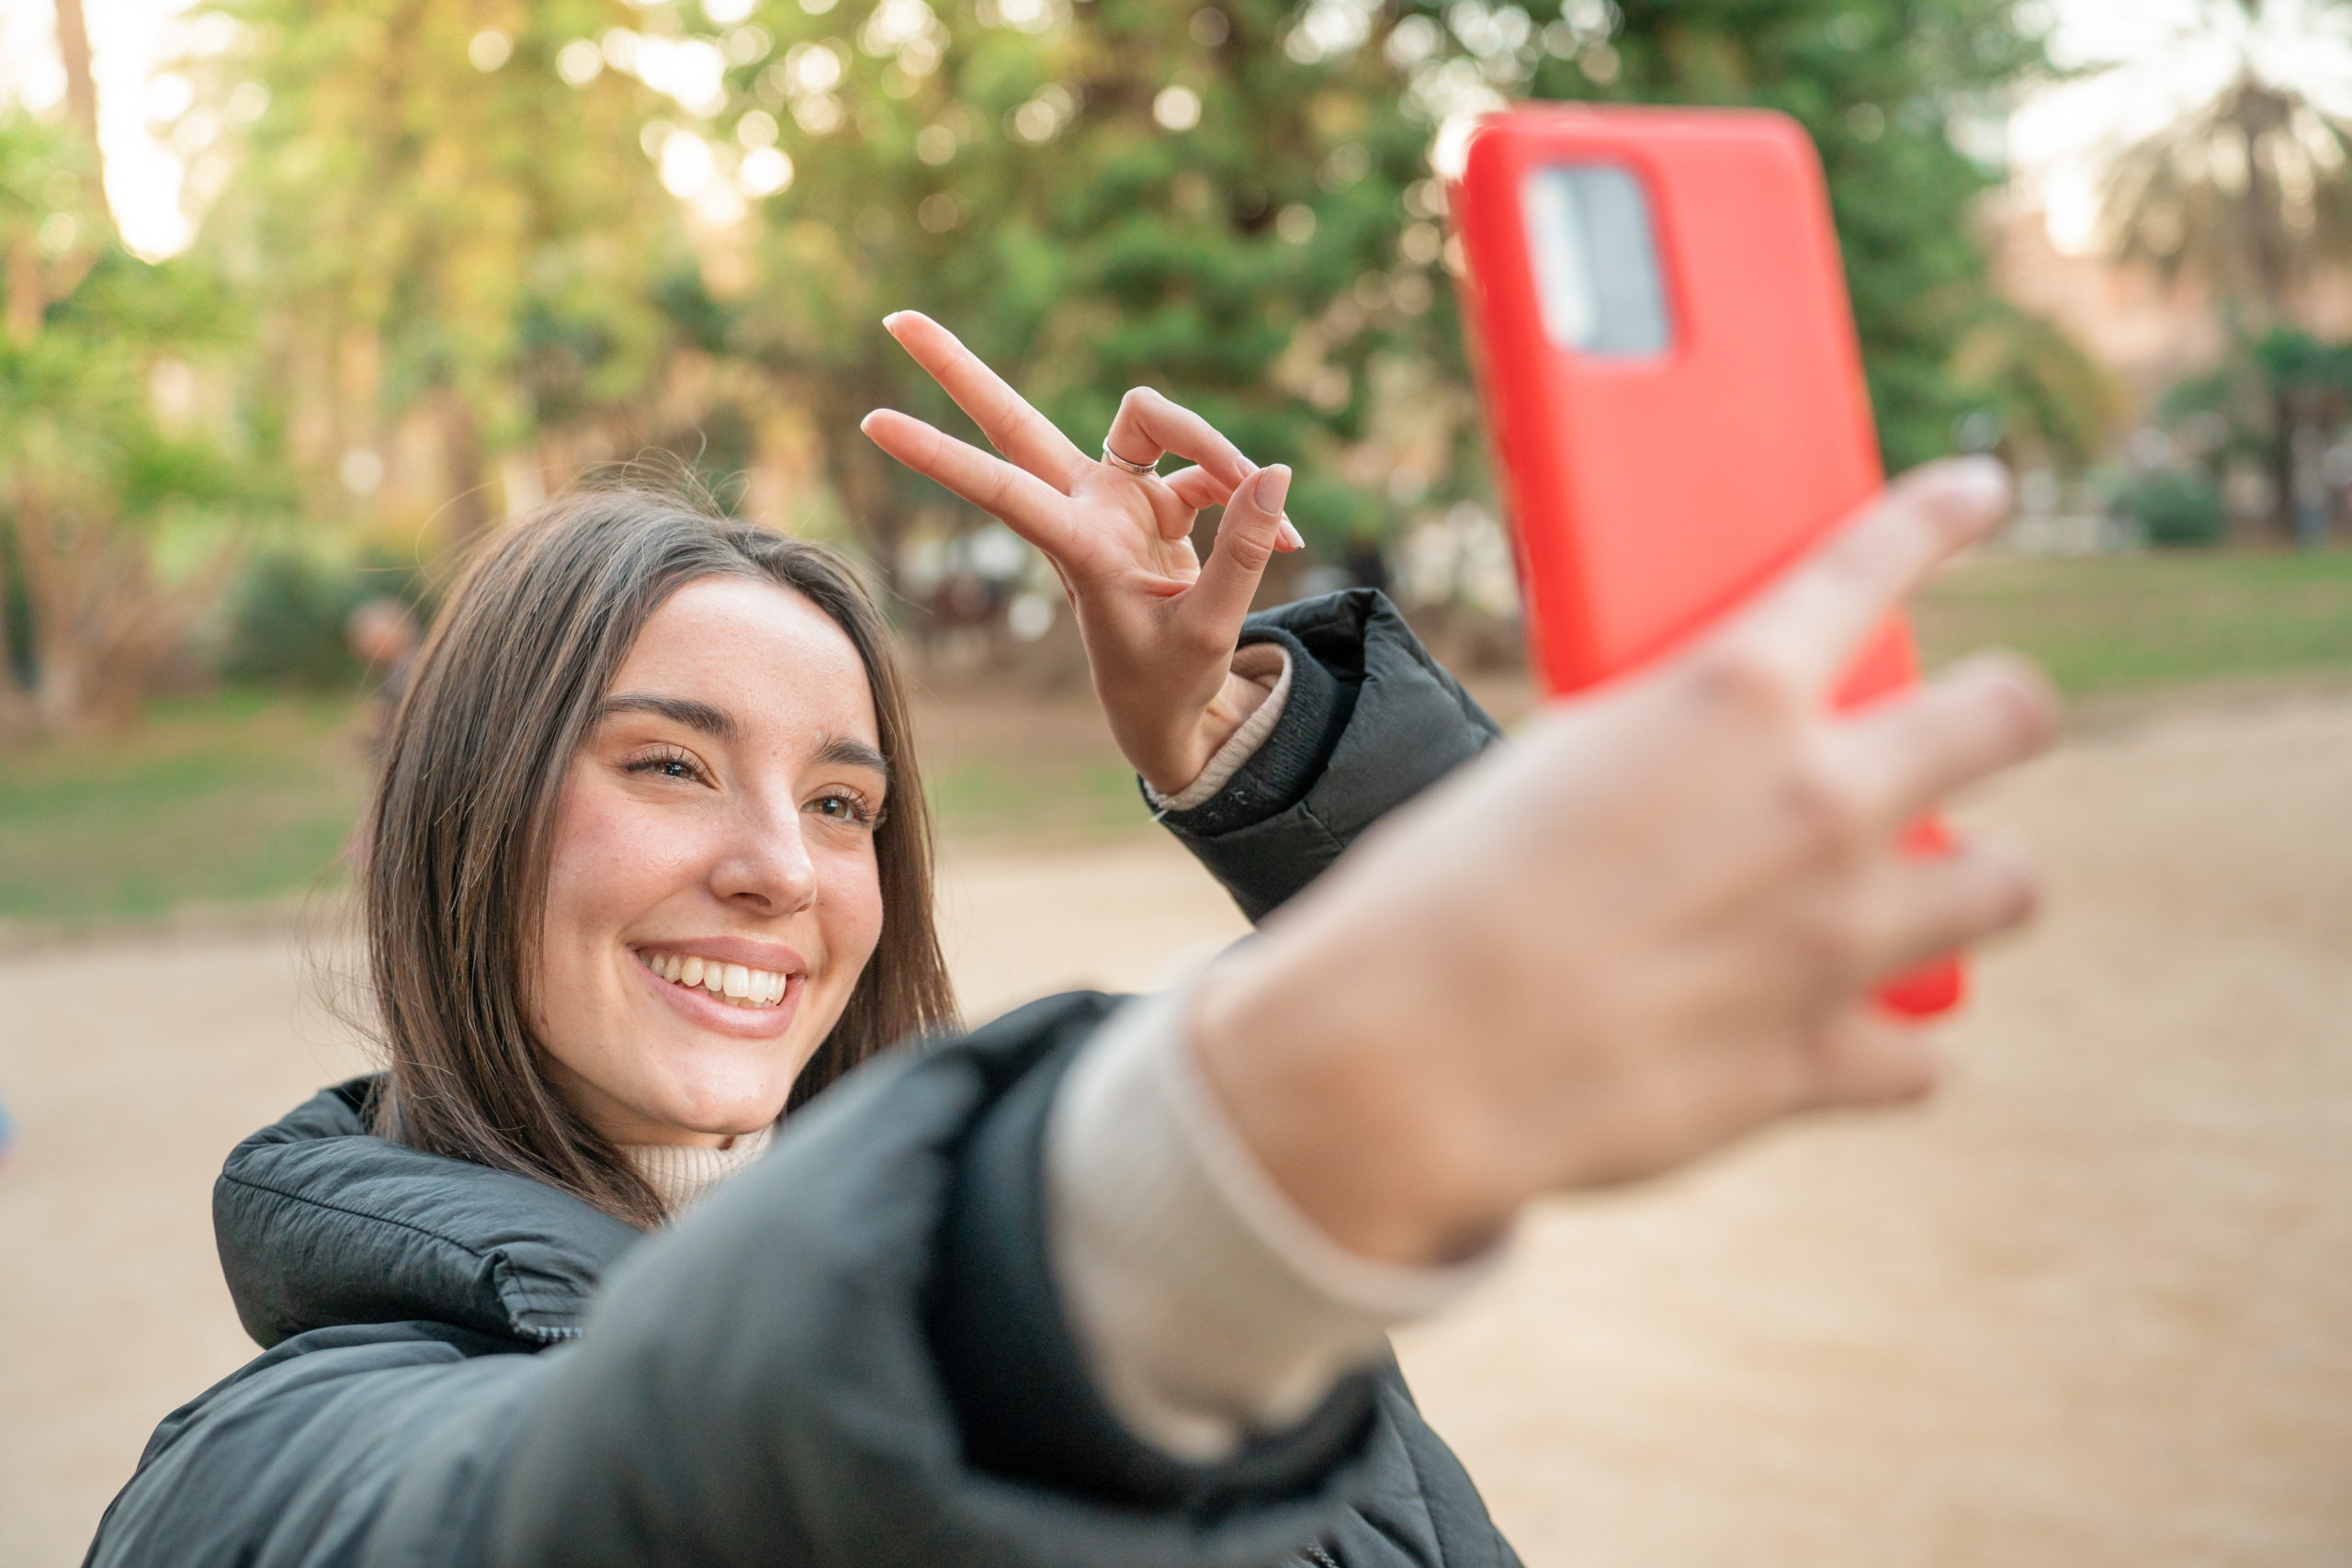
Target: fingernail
889	323
1290	535
1273	489
1981	482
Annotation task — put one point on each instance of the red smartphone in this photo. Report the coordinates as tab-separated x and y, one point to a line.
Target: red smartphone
1673	385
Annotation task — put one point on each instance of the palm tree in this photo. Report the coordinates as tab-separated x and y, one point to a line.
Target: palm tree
2249	191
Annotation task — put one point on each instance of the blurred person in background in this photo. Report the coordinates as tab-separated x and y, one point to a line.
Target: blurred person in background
1104	1281
382	635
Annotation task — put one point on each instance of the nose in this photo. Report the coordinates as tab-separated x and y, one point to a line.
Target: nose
766	868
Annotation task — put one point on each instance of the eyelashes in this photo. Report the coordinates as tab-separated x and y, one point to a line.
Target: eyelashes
668	761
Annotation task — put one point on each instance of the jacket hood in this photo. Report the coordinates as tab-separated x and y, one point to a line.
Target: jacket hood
321	1224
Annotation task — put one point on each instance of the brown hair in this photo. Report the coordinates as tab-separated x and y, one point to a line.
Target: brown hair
455	871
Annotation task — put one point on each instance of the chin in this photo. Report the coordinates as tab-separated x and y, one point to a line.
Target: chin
724	1088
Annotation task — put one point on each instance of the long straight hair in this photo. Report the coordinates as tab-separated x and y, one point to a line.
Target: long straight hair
455	881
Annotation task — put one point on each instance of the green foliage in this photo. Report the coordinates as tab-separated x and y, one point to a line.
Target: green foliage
1095	196
1879	84
2176	508
486	248
1231	201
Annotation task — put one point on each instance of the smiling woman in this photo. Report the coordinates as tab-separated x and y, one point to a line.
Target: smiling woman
644	740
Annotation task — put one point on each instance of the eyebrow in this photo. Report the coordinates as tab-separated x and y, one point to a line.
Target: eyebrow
849	753
719	725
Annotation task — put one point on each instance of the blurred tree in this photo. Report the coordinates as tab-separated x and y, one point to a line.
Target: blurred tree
1094	195
2250	195
2044	400
449	242
99	454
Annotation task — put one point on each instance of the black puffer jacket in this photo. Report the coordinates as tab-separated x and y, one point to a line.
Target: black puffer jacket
852	1355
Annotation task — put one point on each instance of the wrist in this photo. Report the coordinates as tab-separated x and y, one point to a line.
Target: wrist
1171	769
1327	1082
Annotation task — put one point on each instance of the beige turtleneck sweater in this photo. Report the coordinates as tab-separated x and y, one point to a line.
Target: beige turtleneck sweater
682	1174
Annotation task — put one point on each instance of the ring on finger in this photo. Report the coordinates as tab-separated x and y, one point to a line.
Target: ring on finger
1134	468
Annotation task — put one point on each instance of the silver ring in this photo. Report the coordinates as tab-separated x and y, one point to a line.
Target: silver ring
1139	469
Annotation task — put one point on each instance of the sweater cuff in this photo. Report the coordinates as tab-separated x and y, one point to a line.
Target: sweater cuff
1263	662
1209	1308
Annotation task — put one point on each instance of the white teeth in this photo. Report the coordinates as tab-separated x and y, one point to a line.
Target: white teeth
736	982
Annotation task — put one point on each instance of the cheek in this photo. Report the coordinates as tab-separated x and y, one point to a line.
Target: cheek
611	861
852	901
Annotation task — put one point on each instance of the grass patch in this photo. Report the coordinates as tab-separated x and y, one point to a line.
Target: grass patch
1007	797
2132	623
227	799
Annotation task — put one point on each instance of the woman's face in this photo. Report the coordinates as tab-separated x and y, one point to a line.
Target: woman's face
712	895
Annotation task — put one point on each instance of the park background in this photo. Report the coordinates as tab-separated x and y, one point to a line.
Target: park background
301	297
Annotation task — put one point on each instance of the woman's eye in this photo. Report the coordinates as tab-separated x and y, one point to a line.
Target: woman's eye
843	809
667	765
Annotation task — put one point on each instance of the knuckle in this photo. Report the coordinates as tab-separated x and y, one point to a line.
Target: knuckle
1826	804
1740	679
1832	948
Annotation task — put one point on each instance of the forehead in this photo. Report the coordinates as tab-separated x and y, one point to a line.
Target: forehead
763	653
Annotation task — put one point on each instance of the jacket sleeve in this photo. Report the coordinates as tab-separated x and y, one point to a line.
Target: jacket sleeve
827	1362
366	1445
1372	721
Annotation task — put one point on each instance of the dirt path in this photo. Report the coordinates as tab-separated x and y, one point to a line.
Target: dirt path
2092	1308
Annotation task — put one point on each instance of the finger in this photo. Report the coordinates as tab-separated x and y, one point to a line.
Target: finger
1913	909
1247	537
1198	488
1149	424
1022	502
1015	429
1867	1059
1906	755
1812	623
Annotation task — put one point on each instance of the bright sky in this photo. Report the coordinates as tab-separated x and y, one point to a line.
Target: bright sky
2166	57
2173	54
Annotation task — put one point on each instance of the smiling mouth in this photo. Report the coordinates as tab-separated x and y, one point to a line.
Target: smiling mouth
733	983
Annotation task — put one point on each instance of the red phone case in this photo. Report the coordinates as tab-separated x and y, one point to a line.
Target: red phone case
1652	490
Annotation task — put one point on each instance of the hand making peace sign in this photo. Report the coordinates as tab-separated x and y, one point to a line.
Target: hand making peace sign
1160	625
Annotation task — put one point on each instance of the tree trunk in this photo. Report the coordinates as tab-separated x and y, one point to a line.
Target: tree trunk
468	508
58	653
81	87
28	293
15	703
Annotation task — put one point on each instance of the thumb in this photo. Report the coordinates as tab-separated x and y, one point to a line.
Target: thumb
1248	536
